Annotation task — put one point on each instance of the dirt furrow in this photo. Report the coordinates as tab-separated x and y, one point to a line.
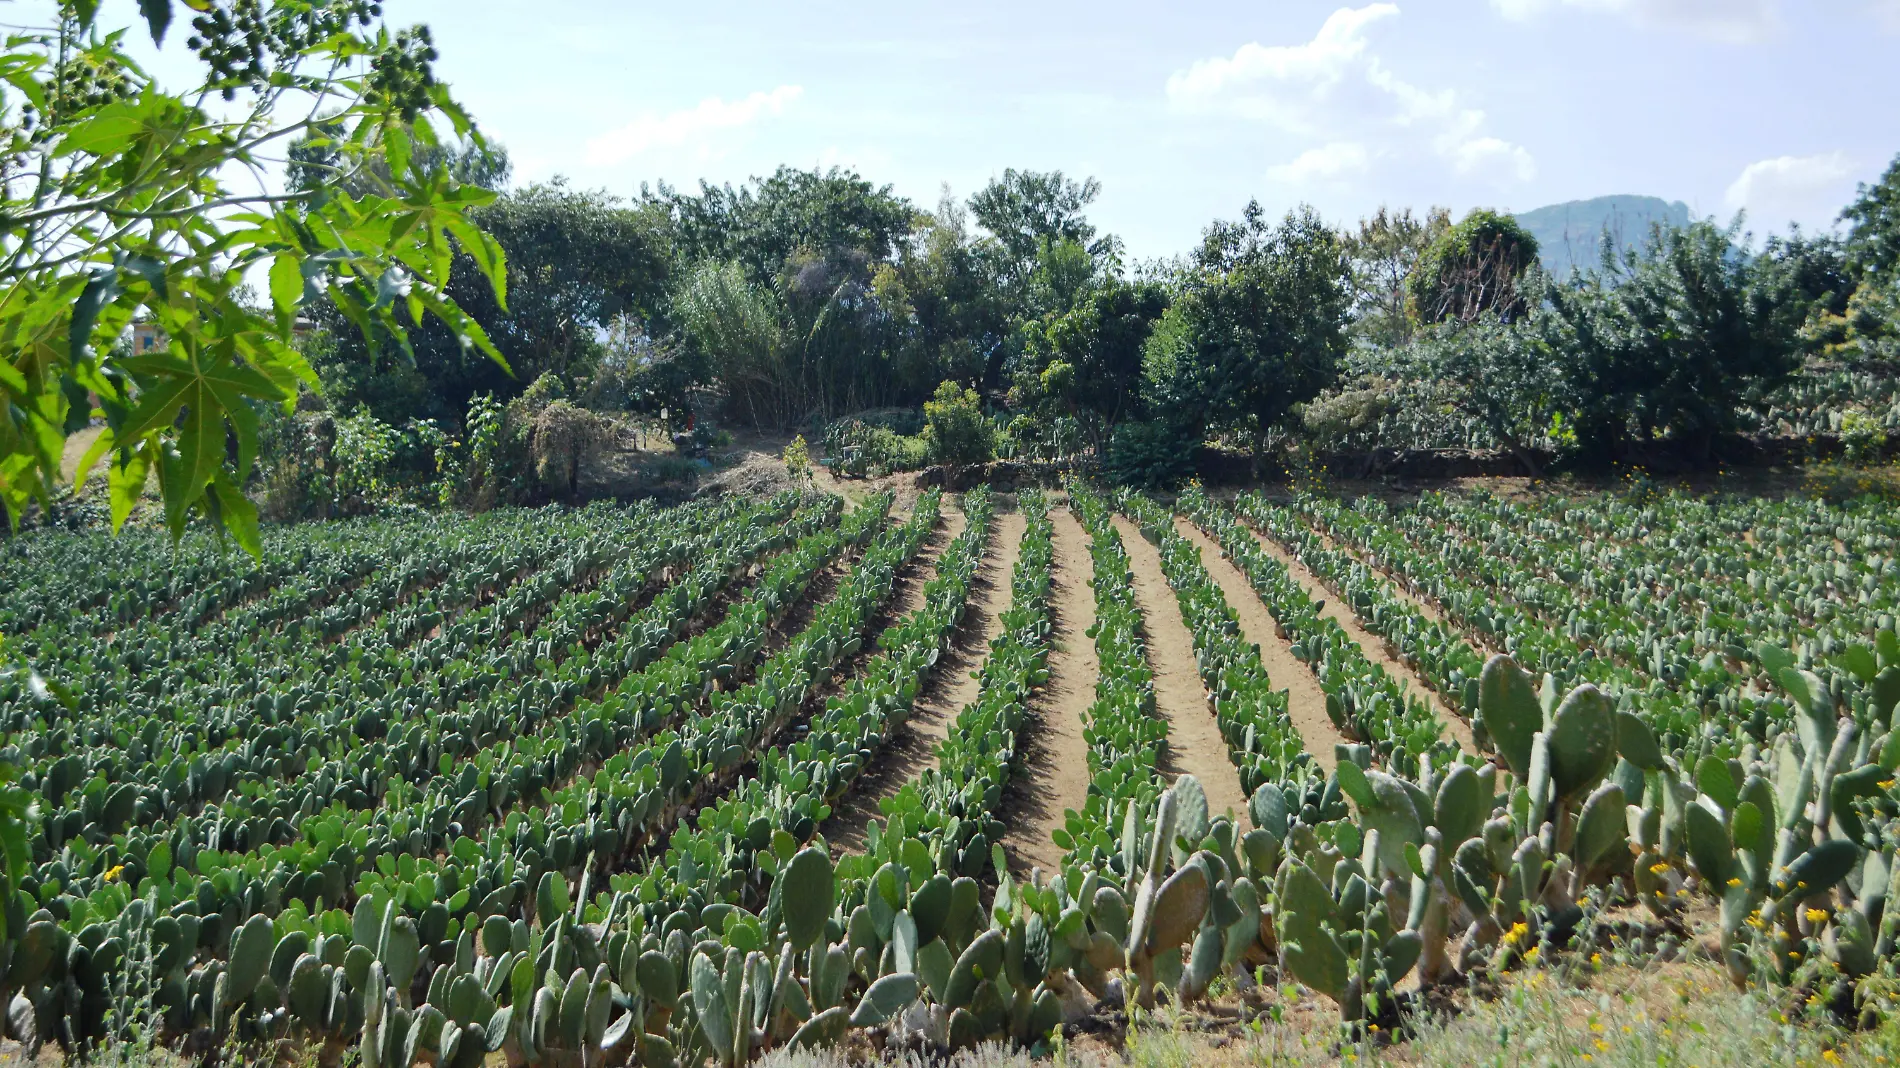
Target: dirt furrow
1306	700
911	597
1399	587
1371	644
1055	773
954	683
1195	745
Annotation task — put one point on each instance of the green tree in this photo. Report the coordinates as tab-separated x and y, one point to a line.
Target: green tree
959	320
1026	210
1086	363
1473	269
956	433
1873	238
764	223
1383	251
577	261
1677	341
123	201
1502	375
1258	329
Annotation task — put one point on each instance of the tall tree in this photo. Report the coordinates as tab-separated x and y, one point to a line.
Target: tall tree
1383	251
1258	329
1025	210
1873	239
765	222
1086	363
1677	341
577	260
125	200
1474	269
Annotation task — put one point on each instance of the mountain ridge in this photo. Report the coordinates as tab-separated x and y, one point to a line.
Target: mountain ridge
1569	234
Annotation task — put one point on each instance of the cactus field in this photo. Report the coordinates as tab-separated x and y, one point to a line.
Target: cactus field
628	785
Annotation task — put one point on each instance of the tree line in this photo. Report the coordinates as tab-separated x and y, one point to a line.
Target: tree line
801	297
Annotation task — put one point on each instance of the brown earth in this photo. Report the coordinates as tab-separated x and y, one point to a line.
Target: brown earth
1195	745
1055	774
1372	645
1306	700
953	684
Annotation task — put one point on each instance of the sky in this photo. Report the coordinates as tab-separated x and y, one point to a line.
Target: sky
1185	111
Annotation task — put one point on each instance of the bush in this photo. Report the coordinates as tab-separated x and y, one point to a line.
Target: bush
1151	455
1862	437
858	449
956	432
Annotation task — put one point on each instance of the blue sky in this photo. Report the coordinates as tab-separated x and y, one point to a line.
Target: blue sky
1184	111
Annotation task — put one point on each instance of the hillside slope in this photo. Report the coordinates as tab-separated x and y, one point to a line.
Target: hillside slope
1569	234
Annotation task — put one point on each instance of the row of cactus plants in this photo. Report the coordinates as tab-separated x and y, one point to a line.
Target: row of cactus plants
1123	734
1351	884
728	855
1721	711
1436	650
385	855
304	718
1812	590
224	679
1253	718
242	788
1362	699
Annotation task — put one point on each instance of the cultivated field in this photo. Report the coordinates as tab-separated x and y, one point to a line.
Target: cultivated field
642	785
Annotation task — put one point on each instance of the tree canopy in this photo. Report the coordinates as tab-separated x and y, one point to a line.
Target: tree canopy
125	199
1258	328
1473	269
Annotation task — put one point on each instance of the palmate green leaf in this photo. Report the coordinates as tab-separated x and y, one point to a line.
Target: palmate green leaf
101	288
286	285
108	132
235	513
207	392
158	16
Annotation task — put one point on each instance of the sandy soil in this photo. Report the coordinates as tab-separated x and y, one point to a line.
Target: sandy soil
1426	608
954	684
1371	644
1055	774
1306	700
1194	742
910	595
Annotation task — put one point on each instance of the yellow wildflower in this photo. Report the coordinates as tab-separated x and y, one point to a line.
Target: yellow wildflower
1659	867
1816	915
112	873
1735	880
1602	1045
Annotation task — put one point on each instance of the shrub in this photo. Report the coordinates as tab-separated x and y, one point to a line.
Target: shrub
1862	437
1151	454
956	432
858	448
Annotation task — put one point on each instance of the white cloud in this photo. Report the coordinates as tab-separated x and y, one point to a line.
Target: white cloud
1327	162
1336	90
1281	83
1803	189
1493	157
1886	12
1728	21
690	127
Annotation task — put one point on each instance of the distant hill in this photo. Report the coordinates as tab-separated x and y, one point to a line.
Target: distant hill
1570	234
